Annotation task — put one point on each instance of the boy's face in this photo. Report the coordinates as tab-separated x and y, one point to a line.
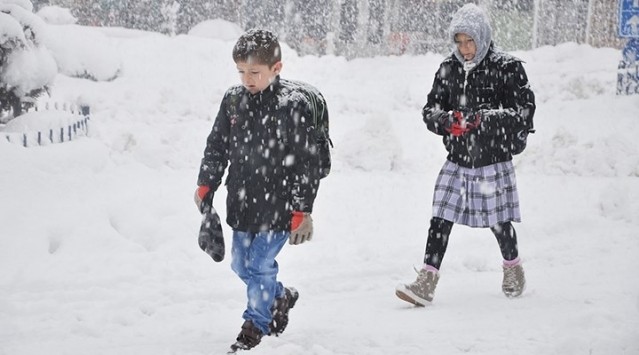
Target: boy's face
466	46
257	77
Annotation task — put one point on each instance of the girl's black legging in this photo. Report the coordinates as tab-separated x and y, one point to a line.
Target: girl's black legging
439	232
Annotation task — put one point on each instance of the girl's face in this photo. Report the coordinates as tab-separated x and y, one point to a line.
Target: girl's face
257	77
466	46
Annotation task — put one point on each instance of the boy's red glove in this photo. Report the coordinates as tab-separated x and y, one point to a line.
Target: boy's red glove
301	228
202	191
203	196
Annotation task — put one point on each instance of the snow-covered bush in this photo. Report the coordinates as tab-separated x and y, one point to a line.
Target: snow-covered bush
26	66
217	29
56	15
79	51
83	52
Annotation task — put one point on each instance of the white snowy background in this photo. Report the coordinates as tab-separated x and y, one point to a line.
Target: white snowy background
98	236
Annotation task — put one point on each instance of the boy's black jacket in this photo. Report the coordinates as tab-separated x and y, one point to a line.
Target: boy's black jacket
498	88
268	139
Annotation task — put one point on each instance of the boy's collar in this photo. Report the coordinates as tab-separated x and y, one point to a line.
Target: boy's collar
269	89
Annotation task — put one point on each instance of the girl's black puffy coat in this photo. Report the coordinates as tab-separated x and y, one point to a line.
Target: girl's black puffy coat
268	142
498	89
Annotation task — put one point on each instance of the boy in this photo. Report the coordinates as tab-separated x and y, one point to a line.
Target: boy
266	131
482	106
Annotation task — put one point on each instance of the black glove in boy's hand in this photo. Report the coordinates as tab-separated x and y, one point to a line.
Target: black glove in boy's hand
301	228
211	239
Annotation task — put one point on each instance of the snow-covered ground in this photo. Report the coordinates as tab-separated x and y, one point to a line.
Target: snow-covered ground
98	236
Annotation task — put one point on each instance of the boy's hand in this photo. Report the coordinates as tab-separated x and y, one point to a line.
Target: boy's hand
203	197
301	228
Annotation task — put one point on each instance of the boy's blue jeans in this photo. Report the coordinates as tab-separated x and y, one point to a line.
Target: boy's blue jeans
253	260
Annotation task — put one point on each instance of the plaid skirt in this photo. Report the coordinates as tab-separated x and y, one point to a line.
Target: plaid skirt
477	197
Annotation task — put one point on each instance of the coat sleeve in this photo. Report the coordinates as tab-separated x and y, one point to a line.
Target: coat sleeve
216	153
436	108
518	104
305	158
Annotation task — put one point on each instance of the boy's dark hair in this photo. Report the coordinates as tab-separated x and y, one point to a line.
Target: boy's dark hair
257	47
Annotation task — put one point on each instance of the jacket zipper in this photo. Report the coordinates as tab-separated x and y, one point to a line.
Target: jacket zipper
466	74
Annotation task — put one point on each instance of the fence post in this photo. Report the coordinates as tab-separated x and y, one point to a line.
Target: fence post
628	69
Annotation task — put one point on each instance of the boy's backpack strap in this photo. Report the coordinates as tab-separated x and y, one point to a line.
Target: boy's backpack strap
317	106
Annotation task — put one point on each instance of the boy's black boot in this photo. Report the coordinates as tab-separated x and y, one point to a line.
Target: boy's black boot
248	338
281	309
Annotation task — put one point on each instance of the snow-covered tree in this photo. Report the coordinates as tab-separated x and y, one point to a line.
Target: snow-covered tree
364	27
26	66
